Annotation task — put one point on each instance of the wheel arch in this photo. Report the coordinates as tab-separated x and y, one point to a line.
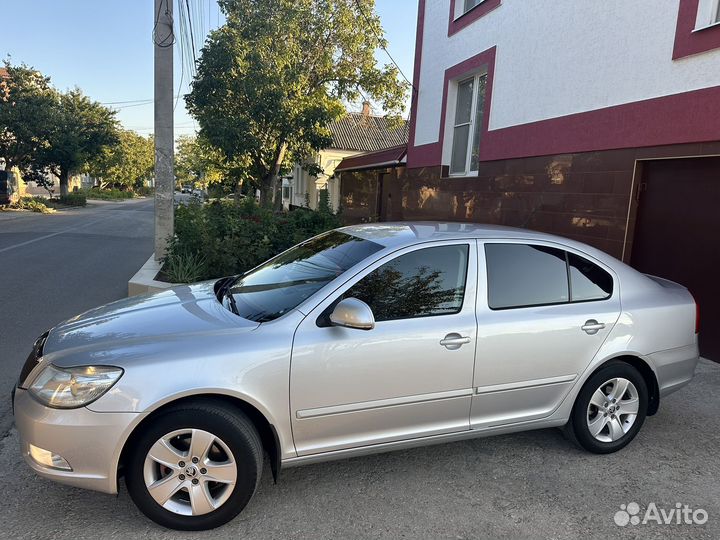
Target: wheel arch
645	369
267	431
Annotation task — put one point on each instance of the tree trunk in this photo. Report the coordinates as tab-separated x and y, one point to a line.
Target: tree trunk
64	182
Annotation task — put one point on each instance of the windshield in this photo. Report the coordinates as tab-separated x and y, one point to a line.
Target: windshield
283	283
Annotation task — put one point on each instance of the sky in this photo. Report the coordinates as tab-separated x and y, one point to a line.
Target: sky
105	48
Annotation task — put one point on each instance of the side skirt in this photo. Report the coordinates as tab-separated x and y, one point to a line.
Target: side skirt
424	441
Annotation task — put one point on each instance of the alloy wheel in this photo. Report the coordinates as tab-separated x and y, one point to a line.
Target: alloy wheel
190	472
612	410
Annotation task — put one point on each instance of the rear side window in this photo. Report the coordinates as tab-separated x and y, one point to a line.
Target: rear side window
423	283
587	280
522	275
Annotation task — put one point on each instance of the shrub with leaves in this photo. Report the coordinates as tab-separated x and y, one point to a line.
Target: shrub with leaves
32	204
224	238
73	199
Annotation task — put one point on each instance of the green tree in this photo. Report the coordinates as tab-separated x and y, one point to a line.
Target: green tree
277	73
80	129
27	102
129	162
198	162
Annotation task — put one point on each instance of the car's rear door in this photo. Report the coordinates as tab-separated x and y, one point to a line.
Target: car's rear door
543	312
351	388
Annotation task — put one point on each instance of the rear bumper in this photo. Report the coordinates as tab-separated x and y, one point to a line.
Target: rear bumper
89	441
675	367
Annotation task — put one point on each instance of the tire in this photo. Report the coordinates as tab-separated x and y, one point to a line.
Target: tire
592	412
232	445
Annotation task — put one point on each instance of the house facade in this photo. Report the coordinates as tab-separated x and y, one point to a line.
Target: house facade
354	134
598	121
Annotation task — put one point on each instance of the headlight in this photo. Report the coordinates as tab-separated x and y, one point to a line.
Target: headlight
69	388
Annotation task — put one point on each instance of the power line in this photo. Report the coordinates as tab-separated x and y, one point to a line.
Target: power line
168	40
369	23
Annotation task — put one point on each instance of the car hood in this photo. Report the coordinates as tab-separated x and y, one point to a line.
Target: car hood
176	313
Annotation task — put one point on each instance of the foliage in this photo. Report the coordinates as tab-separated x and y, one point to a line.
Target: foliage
108	194
197	162
230	238
184	268
128	163
73	199
27	101
80	129
32	204
277	73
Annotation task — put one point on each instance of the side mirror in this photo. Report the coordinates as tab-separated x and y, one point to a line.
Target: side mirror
353	313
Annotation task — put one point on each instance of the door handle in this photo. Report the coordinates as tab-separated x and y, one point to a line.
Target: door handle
454	341
592	327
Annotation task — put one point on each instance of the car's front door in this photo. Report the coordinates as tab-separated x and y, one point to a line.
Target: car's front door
351	387
543	313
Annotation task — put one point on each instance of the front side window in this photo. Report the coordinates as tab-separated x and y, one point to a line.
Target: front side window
467	129
283	283
522	275
423	283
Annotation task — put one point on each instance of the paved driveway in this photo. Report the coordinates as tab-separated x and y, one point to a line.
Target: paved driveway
528	485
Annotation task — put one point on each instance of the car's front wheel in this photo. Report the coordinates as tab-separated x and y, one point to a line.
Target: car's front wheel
610	409
195	466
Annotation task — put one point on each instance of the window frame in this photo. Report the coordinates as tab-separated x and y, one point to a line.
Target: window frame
324	307
464	9
475	77
482	254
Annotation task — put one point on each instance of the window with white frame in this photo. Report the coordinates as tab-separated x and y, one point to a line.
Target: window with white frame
467	128
708	14
469	4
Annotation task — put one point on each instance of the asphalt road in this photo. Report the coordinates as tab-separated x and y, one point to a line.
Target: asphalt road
527	485
54	266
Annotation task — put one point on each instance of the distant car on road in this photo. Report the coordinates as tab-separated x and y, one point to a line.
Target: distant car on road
361	340
186	189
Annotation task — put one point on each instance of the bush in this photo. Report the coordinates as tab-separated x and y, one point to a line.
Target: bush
224	238
108	194
73	199
32	204
144	191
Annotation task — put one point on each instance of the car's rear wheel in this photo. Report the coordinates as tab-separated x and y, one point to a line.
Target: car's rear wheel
610	409
195	467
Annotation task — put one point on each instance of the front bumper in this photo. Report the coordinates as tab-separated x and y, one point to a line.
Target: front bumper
90	442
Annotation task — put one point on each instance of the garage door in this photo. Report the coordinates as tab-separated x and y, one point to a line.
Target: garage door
677	235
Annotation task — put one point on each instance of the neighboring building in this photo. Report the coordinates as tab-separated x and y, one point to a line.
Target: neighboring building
353	134
598	121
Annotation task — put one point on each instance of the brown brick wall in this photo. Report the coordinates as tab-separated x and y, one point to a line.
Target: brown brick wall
584	196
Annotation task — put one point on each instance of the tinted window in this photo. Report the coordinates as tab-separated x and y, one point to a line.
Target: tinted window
419	284
284	282
522	275
588	281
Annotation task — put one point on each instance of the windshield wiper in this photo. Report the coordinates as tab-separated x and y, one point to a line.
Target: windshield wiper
232	302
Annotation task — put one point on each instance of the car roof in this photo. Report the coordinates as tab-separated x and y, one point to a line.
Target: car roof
397	234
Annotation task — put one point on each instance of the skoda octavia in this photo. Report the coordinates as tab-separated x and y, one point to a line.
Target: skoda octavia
364	339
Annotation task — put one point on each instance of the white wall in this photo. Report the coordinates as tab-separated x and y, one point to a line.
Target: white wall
558	57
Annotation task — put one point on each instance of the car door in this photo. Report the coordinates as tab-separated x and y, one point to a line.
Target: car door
543	312
351	387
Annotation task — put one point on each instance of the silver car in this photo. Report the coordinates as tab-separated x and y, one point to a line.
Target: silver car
361	340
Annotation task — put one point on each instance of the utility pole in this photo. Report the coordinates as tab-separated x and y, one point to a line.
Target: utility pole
163	38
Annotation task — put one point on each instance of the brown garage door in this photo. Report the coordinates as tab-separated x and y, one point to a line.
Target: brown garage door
677	235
